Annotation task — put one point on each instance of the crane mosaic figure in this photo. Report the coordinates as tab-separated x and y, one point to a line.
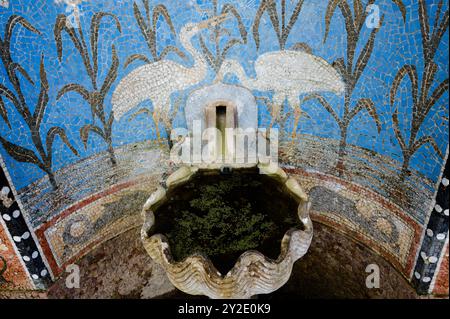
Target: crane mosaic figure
287	74
159	80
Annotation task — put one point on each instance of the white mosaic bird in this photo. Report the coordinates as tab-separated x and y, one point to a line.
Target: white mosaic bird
287	74
157	81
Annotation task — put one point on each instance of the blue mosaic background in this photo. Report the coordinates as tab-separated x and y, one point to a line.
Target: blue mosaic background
397	43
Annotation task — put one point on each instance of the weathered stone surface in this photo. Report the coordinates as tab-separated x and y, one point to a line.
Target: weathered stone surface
119	268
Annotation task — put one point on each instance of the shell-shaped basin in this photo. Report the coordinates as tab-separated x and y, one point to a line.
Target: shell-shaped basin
253	273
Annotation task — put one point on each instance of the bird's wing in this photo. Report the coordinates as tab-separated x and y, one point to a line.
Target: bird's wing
298	71
148	82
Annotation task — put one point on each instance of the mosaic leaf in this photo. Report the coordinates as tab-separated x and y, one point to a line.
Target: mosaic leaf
293	19
4	112
339	65
73	87
227	9
161	10
60	26
302	46
230	44
95	26
171	48
370	107
20	154
423	18
51	135
358	10
139	112
145	29
331	8
149	31
17	67
43	96
402	8
270	7
111	76
366	52
426	140
9	95
84	133
325	104
135	57
206	53
437	93
397	131
411	71
11	24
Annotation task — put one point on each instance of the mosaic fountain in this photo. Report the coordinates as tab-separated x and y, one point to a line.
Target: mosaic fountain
253	273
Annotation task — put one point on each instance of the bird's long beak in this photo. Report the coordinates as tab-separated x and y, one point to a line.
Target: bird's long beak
213	21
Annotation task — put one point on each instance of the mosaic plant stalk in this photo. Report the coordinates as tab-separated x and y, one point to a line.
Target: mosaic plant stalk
423	101
281	28
216	56
149	30
351	71
96	95
42	157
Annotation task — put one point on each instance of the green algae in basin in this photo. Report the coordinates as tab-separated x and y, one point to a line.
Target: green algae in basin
224	215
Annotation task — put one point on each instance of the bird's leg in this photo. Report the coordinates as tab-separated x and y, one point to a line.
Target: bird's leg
296	105
277	105
297	115
168	127
167	119
156	118
275	114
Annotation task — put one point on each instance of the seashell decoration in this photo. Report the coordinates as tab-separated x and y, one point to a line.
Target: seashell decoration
253	273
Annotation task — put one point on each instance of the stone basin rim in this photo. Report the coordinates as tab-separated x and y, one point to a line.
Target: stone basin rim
149	221
284	250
